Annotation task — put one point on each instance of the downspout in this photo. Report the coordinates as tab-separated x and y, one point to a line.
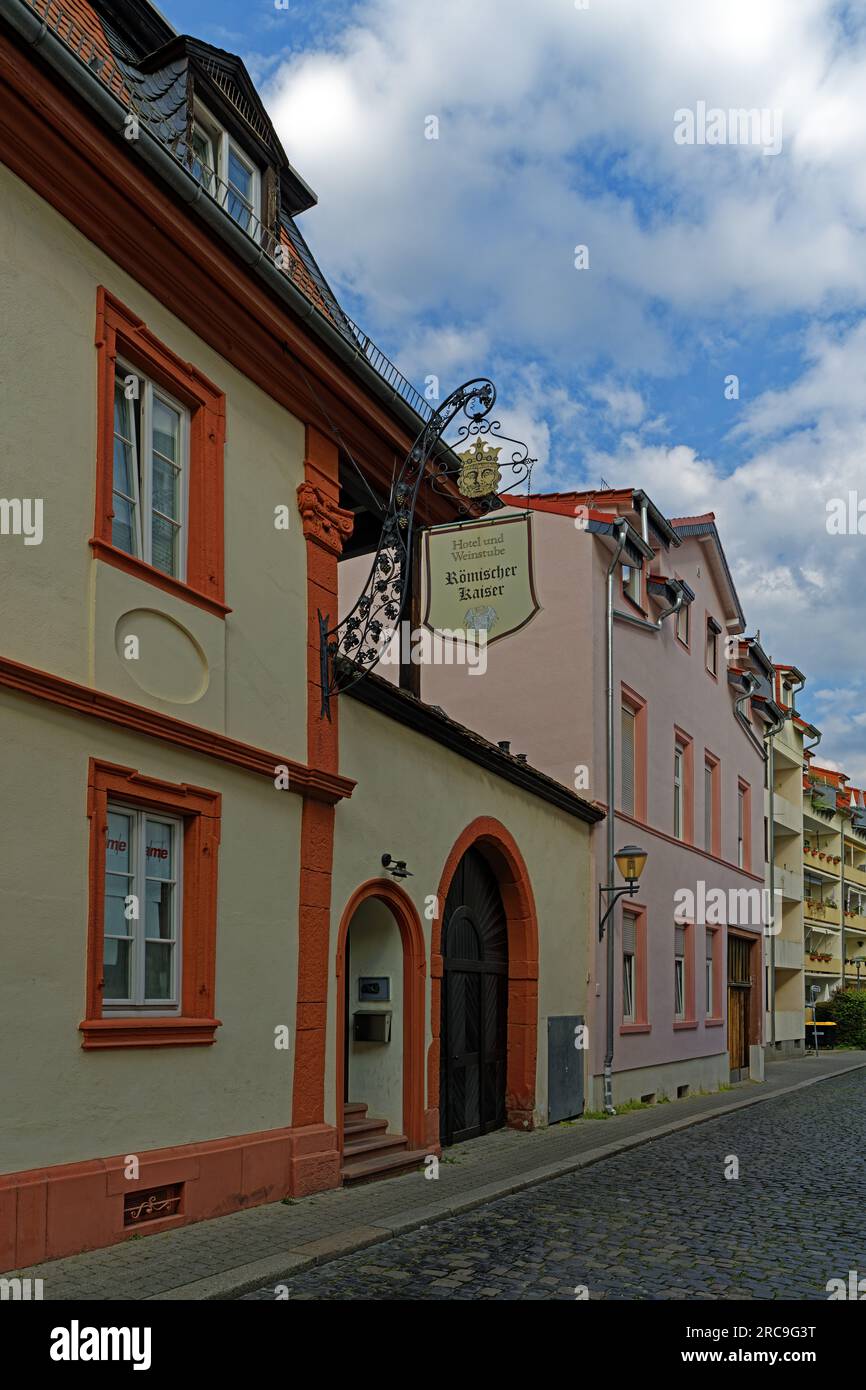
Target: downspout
620	529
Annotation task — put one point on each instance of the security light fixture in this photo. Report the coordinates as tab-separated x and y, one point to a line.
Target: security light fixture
396	867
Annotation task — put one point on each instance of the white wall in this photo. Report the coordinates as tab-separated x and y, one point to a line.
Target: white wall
376	1069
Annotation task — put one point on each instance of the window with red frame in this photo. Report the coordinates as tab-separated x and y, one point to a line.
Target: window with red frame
159	466
153	910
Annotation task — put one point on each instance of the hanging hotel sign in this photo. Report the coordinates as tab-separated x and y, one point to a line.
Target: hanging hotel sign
479	577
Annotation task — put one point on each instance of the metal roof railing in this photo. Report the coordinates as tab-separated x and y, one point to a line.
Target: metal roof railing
115	76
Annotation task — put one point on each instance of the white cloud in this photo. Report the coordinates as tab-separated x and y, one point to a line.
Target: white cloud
801	585
483	221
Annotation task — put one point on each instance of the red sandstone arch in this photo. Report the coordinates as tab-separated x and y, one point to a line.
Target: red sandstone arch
502	854
414	975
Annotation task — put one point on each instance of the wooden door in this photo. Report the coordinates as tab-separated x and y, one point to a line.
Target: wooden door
474	1004
739	1002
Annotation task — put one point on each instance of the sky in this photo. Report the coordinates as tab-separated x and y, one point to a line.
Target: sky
709	345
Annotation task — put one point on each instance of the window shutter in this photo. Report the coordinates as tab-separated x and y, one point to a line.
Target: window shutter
627	760
680	941
629	934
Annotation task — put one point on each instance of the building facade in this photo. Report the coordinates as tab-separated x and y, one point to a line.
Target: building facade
688	771
249	952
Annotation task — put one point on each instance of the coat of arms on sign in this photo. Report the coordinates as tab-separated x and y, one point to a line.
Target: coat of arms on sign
479	470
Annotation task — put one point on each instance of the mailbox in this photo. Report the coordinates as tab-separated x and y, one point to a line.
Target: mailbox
373	1026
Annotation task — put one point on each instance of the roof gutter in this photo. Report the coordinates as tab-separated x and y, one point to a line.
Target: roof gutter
88	86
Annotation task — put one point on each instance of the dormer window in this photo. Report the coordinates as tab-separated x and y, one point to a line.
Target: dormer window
226	171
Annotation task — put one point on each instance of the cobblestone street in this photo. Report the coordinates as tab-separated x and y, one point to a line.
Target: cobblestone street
658	1222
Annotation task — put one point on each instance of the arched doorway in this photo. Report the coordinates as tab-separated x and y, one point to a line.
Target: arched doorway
502	855
474	1041
380	1074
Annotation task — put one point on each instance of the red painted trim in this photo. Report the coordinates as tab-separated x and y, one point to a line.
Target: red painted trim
714	1005
744	787
638	706
687	744
139	569
101	1033
120	332
626	1028
714	764
314	782
414	976
501	851
325	527
200	811
640	1023
48	1213
689	1021
683	844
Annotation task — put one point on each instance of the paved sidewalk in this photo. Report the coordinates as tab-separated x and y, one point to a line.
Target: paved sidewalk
234	1254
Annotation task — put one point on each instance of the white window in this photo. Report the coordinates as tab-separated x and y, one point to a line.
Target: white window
679	972
204	160
141	964
679	789
627	798
741	821
631	583
712	647
629	951
151	443
683	623
224	169
710	939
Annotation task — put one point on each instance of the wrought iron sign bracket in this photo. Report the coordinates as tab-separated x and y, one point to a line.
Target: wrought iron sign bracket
348	651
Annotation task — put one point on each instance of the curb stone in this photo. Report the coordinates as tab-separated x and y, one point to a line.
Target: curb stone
233	1283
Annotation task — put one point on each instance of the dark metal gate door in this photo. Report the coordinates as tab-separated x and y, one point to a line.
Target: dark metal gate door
474	1004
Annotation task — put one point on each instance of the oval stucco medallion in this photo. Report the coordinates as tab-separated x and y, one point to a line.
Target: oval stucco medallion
165	660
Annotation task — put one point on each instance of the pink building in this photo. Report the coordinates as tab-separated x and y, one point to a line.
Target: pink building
688	775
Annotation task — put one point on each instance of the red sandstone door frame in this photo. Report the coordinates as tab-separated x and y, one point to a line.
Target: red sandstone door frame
414	981
504	857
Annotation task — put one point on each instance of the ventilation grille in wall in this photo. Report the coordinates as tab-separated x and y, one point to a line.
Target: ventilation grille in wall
152	1205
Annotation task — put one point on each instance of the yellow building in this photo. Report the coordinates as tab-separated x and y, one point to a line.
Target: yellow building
784	810
243	945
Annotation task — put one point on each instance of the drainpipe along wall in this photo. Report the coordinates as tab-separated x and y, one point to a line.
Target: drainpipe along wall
620	528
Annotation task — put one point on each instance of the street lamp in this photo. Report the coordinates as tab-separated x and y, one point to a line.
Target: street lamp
630	861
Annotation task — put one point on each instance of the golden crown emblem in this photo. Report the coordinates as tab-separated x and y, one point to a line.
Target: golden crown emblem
479	470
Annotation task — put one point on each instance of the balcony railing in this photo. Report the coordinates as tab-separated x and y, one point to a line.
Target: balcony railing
818	964
826	913
101	64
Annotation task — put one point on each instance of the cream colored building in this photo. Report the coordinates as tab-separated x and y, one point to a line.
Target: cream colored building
237	937
783	812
